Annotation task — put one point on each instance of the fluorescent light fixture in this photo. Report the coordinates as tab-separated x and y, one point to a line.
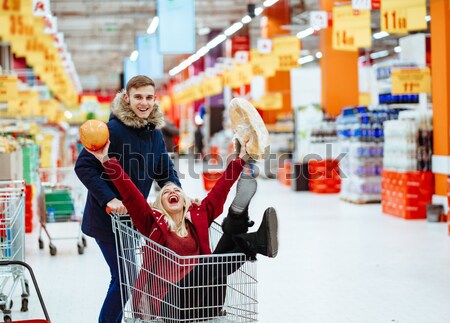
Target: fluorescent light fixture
305	33
380	54
68	114
258	11
269	3
153	25
202	51
427	18
305	59
380	35
246	19
397	49
233	28
204	31
134	55
319	55
216	41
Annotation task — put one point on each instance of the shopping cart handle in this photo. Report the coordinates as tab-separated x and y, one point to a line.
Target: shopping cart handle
33	278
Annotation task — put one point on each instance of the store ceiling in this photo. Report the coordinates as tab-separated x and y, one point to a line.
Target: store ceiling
100	34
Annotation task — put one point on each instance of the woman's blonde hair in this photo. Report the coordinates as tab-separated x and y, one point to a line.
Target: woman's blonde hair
158	205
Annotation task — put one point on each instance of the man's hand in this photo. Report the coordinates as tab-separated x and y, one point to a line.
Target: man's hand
116	206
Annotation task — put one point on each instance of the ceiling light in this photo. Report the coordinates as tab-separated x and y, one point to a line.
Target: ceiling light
269	3
202	51
319	55
134	55
305	33
246	19
305	59
204	31
233	28
380	54
397	49
153	25
216	41
258	11
380	35
427	18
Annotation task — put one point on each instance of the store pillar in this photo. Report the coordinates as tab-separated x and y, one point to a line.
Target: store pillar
277	15
440	71
339	71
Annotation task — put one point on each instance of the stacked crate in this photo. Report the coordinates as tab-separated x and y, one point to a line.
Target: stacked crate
29	194
406	194
324	176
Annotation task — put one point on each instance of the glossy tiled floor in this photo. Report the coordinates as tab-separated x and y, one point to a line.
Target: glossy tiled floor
338	263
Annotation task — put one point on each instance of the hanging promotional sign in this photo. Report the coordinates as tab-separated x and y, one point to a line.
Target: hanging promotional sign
8	88
287	49
318	19
176	32
150	61
411	81
351	29
401	16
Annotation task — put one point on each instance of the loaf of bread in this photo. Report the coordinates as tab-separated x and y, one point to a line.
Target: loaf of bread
249	127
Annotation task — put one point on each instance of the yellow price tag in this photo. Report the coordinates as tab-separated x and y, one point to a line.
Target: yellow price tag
10	6
407	81
263	64
270	101
351	28
8	88
401	16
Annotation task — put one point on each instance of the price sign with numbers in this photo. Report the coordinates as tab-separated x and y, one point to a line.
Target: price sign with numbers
351	28
406	81
263	64
270	101
287	49
8	88
401	16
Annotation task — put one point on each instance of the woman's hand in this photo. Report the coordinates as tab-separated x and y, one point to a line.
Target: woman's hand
243	151
101	154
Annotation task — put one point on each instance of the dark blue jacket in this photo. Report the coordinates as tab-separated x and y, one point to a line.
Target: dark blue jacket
143	156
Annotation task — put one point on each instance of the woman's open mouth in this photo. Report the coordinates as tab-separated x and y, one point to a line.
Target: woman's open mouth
173	199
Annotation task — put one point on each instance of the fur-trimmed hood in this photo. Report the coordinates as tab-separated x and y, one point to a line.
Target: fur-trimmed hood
121	109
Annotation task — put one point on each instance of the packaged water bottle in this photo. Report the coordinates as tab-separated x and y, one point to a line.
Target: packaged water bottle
51	214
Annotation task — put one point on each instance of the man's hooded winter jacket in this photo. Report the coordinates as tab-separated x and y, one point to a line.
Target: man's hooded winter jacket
139	146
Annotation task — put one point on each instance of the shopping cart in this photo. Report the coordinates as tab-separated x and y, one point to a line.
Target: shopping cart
12	244
157	285
15	265
61	199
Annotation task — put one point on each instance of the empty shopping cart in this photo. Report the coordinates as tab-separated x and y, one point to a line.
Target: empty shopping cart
15	265
158	285
61	199
12	244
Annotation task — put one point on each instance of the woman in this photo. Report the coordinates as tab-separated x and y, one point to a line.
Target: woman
172	221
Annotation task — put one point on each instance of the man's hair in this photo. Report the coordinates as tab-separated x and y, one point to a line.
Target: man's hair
139	81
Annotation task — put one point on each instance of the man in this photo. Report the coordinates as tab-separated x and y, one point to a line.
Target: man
137	142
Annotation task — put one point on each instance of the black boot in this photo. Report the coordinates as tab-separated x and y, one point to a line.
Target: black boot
264	241
236	223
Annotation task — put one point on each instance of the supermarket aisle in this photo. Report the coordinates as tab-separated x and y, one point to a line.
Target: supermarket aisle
338	263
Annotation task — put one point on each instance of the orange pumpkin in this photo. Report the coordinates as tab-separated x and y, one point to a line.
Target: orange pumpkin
94	134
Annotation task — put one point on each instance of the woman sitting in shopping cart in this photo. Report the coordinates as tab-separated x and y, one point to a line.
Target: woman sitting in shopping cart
174	222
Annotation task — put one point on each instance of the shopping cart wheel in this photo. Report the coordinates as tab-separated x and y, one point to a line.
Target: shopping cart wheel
80	249
3	306
52	250
7	318
41	244
24	307
83	240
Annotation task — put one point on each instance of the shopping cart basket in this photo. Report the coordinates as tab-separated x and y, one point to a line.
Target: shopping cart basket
158	285
15	265
12	243
61	199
